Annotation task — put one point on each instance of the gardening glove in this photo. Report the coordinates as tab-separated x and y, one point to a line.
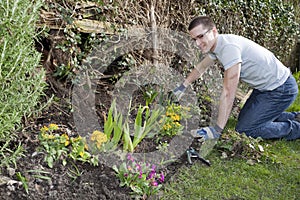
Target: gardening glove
207	133
177	93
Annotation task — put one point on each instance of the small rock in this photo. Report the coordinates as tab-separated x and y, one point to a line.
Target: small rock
261	148
250	162
4	180
224	155
11	171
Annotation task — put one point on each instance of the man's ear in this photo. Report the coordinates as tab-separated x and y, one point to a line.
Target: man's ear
215	31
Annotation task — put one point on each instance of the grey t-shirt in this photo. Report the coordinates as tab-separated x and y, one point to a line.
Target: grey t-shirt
259	67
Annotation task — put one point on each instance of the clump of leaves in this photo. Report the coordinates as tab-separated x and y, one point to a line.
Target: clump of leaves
233	144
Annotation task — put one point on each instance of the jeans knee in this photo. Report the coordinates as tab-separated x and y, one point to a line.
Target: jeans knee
240	128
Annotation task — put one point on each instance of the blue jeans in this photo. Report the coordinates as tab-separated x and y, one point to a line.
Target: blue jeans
263	113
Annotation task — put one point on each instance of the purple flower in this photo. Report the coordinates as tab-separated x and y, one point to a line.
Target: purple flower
151	175
129	157
141	174
153	168
154	183
161	178
138	167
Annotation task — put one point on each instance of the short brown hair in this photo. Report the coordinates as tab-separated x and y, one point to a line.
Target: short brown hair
206	21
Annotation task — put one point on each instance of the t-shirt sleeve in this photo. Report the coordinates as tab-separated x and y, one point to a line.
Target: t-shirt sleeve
230	55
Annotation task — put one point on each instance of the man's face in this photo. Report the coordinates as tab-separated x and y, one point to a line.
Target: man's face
205	38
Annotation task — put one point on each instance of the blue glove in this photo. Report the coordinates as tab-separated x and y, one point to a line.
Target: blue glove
178	92
208	133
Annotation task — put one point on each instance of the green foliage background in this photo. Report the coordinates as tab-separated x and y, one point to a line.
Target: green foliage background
21	78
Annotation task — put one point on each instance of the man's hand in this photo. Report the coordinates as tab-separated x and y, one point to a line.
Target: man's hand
177	93
207	133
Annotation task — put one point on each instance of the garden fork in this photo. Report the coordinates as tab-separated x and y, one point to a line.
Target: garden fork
192	153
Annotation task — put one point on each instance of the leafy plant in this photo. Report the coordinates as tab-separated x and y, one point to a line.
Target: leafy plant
9	155
54	144
74	173
40	174
113	127
118	131
142	127
79	151
60	146
142	178
174	114
21	78
149	95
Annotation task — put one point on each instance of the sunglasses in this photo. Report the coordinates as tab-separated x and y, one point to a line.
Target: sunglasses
202	35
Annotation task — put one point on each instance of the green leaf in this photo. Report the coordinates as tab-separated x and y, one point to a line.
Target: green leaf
49	160
127	146
114	167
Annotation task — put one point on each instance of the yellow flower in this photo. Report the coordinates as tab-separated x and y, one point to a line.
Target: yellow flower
81	154
65	139
168	114
44	129
53	127
175	117
177	124
50	136
99	137
79	138
67	142
98	144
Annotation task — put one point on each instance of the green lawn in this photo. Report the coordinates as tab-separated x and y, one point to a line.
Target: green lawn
277	178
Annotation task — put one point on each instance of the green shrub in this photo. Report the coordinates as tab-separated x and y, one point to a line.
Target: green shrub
21	81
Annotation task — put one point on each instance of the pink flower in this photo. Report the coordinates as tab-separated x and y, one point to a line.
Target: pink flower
151	175
161	178
153	167
154	183
129	157
138	167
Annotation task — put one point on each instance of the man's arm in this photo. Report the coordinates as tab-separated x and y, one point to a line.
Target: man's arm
230	84
199	69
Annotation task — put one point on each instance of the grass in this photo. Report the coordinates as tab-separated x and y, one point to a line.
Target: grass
296	105
236	179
